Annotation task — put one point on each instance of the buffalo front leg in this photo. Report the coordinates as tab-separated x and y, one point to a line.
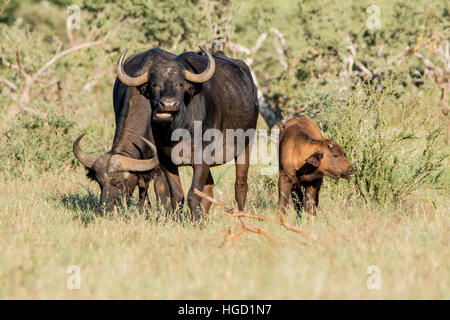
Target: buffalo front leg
162	188
209	190
199	178
242	165
241	186
242	160
176	189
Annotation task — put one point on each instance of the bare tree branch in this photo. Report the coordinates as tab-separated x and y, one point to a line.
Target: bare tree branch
19	65
267	113
279	43
29	80
64	53
241	215
9	84
258	44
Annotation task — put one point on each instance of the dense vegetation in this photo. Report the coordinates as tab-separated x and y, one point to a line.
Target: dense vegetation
380	93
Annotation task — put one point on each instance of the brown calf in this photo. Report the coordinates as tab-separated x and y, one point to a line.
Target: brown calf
305	157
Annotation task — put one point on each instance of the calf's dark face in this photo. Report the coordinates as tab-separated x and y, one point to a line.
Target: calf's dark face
331	160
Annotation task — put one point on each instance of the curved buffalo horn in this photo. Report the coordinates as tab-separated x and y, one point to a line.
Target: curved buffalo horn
86	159
205	75
119	162
123	163
151	146
126	79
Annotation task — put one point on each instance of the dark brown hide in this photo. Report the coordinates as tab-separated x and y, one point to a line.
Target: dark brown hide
225	101
132	115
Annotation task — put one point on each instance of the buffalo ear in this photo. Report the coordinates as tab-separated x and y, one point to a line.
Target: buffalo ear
91	174
145	90
191	89
314	159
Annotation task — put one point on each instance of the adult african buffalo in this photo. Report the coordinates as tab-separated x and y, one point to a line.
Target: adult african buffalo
216	92
132	160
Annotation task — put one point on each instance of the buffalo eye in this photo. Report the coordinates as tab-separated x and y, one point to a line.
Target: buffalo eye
155	86
179	85
115	183
335	155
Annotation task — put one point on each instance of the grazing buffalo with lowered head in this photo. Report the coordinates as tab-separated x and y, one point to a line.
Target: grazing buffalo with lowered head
195	93
132	160
304	158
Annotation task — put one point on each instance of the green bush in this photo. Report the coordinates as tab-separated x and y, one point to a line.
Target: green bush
37	144
391	160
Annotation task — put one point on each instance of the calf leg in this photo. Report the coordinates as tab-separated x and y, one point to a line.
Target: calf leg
311	200
297	198
318	186
284	191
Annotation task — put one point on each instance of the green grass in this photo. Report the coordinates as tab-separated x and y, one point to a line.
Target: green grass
46	226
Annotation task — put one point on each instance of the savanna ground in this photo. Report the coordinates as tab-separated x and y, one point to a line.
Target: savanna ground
380	93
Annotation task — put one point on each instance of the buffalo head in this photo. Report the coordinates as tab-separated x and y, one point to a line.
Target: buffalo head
331	160
169	84
115	173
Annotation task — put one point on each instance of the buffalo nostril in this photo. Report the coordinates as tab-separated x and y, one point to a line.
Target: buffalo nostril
168	103
351	170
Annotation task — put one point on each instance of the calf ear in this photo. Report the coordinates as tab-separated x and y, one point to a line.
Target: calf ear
315	158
